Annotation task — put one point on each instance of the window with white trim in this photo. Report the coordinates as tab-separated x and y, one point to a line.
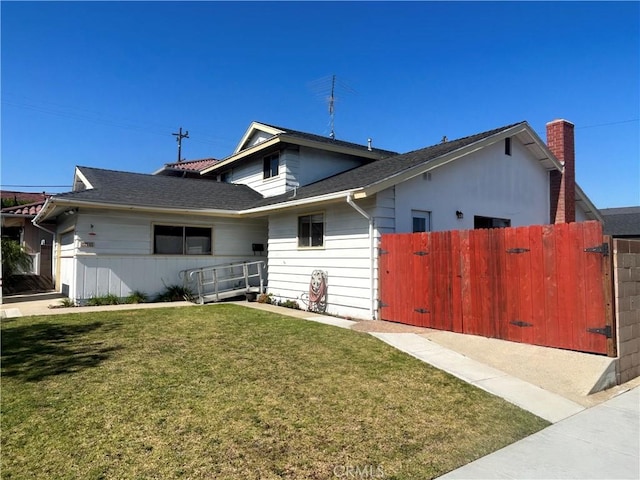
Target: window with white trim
311	230
421	220
181	240
271	166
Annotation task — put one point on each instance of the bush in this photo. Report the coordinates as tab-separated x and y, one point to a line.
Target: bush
108	299
137	297
14	259
175	293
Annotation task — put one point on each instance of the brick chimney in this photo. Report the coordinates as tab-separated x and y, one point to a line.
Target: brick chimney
560	141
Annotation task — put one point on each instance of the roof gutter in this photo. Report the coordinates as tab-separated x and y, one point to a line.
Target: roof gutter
299	203
52	203
370	219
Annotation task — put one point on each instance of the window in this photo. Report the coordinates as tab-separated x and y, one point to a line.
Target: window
271	166
311	230
421	221
172	240
507	146
490	222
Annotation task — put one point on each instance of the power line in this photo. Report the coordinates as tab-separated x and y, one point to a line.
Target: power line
36	186
610	123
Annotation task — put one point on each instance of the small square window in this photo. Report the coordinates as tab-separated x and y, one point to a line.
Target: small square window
421	221
271	166
311	230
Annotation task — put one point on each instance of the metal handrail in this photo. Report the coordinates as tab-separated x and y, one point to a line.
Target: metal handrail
210	280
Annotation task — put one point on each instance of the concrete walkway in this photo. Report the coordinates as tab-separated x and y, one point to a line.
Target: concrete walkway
600	442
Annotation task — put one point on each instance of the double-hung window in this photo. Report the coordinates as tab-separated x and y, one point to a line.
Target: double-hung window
181	240
311	230
271	166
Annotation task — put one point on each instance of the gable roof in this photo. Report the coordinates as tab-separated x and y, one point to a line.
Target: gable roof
622	221
115	189
384	170
279	135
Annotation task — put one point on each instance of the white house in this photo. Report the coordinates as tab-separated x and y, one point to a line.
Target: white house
313	202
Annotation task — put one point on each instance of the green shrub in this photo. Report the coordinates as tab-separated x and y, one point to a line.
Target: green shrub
137	297
14	259
175	293
108	299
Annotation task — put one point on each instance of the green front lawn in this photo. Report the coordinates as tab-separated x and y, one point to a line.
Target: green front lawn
227	392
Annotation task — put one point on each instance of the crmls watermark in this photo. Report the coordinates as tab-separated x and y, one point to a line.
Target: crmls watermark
358	471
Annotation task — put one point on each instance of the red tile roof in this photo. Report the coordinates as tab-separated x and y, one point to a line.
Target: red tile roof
30	209
192	165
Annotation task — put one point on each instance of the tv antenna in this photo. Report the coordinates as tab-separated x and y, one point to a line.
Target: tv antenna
328	87
179	136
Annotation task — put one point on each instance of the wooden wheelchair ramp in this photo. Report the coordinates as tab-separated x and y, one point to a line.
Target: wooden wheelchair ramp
547	285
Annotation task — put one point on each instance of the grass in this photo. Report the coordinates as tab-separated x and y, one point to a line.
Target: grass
229	392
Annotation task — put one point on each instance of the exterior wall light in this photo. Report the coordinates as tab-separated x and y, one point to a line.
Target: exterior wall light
459	214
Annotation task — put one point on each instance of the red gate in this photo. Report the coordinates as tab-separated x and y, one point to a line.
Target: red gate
544	285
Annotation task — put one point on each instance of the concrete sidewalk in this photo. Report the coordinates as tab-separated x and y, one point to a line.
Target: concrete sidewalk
602	442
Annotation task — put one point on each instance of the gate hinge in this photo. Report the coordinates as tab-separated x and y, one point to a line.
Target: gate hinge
421	253
517	250
606	331
603	249
382	251
421	310
381	304
520	323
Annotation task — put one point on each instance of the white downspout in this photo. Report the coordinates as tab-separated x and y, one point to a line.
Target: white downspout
372	308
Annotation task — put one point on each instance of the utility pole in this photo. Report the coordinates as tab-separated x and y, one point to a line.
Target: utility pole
179	136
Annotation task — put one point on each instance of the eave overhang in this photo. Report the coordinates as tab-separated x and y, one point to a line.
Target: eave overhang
284	139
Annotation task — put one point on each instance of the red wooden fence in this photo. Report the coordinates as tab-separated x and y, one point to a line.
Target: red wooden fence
543	285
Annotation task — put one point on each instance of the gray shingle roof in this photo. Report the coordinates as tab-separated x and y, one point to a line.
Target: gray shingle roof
620	222
372	173
138	189
330	141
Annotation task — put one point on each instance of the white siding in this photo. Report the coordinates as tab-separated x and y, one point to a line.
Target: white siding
344	257
486	183
298	167
121	258
316	164
251	174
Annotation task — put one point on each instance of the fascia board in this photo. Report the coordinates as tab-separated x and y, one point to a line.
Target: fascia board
437	162
83	179
66	203
284	138
590	207
299	203
244	153
251	130
303	142
543	146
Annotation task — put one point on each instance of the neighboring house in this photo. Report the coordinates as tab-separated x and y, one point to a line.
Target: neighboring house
17	225
316	203
186	168
623	222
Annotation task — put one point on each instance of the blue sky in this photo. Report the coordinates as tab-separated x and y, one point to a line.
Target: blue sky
104	84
